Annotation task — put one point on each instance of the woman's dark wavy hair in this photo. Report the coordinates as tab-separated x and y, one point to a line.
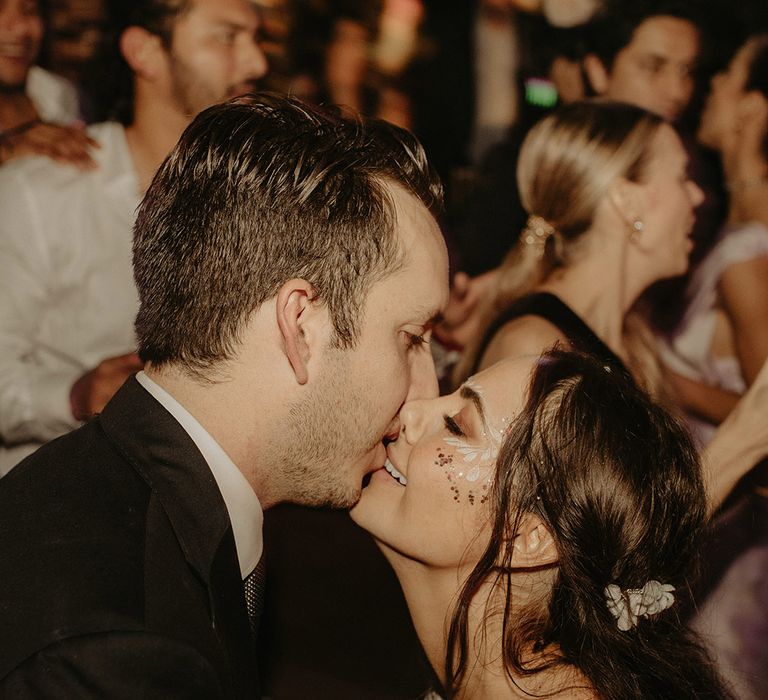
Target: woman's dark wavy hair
617	482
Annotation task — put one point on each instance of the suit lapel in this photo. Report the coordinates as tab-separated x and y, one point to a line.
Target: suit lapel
160	450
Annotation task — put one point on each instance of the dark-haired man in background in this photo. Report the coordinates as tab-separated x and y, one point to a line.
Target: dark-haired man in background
645	54
289	271
648	54
67	298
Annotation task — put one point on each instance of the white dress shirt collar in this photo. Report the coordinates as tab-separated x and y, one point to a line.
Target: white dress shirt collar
242	504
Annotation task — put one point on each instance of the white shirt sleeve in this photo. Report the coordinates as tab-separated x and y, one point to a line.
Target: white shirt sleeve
35	379
54	97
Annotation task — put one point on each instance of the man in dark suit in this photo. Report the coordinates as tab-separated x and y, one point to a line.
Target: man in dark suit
289	271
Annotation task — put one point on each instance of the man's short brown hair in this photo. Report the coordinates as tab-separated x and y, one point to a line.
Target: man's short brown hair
110	79
260	190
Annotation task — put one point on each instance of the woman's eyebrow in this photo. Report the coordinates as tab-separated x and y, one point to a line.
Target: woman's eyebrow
467	392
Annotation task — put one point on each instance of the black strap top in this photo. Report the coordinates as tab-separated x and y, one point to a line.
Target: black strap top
560	315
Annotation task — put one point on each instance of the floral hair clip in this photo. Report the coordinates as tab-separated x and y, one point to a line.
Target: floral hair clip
627	606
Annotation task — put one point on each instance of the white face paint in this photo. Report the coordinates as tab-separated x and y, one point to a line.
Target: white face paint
447	457
480	455
476	465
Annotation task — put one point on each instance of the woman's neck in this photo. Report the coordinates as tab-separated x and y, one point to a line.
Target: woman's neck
431	595
602	305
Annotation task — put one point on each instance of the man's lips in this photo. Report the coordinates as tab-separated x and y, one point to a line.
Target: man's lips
19	49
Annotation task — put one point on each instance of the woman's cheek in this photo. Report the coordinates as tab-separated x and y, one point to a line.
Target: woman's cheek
467	481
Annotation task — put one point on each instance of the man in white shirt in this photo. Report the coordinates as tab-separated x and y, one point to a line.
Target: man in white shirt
67	298
289	271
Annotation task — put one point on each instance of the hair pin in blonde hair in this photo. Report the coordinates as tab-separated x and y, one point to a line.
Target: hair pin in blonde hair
537	231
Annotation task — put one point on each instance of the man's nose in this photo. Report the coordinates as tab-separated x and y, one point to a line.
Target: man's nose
423	380
253	61
10	19
677	88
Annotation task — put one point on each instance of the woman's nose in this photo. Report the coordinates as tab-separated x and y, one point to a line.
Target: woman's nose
417	418
695	193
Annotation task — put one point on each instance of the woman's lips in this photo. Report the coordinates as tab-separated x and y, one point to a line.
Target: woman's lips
392	470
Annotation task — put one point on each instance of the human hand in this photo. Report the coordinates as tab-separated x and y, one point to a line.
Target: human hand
464	312
66	144
740	442
95	388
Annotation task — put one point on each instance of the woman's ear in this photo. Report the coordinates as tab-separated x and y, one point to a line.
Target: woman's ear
141	50
533	545
624	198
293	302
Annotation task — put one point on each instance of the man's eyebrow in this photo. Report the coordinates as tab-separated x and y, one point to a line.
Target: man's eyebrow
434	318
431	317
661	57
468	393
655	56
231	24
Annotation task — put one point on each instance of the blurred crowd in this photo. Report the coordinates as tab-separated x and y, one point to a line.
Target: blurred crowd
99	92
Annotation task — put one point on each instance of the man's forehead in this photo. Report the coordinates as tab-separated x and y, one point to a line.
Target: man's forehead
667	37
234	11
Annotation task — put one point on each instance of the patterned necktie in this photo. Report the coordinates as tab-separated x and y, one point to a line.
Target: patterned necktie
254	594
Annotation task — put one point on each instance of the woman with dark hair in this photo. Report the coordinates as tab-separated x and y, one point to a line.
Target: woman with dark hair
545	542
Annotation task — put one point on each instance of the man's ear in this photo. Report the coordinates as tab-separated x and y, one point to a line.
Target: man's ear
141	50
597	74
293	301
533	545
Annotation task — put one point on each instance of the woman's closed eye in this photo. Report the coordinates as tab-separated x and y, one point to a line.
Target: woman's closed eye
452	426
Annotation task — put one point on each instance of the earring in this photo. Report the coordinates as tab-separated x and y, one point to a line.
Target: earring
637	229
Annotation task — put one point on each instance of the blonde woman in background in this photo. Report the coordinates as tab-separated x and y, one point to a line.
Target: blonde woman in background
611	209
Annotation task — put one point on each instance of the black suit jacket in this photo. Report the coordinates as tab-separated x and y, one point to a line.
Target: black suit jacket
119	576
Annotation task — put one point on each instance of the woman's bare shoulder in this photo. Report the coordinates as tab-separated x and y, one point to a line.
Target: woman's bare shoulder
525	335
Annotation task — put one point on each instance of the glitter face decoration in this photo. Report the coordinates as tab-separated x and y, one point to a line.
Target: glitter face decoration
476	460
